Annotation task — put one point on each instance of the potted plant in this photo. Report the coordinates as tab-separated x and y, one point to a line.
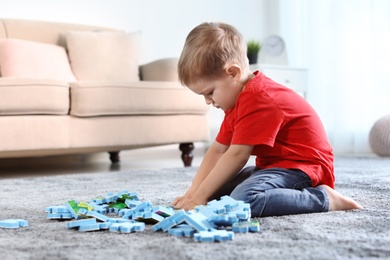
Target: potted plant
253	48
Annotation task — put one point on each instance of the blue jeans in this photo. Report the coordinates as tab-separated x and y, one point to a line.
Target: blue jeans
276	192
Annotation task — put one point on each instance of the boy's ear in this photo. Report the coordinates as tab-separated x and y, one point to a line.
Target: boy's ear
234	71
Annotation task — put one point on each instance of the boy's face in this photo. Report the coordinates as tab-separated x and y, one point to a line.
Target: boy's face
222	93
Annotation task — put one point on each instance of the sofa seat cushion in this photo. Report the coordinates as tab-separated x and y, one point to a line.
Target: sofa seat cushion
133	98
25	133
33	96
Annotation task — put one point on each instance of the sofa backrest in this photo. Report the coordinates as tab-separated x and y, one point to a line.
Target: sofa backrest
42	31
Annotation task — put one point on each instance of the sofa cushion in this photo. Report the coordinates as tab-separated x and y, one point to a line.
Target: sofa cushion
26	135
133	98
33	96
28	59
104	55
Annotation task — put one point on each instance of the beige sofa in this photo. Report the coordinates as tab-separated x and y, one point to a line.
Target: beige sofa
100	100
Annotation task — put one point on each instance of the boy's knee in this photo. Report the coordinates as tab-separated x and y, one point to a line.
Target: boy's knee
247	196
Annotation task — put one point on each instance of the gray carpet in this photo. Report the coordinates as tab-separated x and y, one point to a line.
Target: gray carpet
333	235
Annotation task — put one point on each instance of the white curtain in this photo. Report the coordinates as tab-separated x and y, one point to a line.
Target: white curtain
348	58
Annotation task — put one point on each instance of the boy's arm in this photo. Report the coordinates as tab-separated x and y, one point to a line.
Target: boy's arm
213	154
229	164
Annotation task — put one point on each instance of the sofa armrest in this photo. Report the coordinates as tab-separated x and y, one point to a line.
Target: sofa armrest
160	70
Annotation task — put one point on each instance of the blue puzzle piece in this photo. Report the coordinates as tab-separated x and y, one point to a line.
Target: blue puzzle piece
148	217
163	211
109	198
247	226
143	206
94	214
82	222
120	220
132	203
138	211
214	235
243	212
207	211
204	236
198	221
171	221
126	213
127	227
95	227
182	230
57	209
91	227
224	205
100	208
223	220
58	212
105	225
127	195
13	223
59	216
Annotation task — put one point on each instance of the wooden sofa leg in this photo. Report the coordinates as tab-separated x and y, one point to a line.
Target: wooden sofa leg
187	154
114	157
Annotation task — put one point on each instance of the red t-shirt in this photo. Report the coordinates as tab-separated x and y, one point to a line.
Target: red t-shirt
285	130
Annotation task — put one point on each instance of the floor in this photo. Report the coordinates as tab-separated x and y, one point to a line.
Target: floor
147	158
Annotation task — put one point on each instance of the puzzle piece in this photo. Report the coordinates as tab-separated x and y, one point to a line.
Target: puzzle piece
223	220
84	205
120	197
207	211
214	235
92	227
120	220
59	216
87	225
83	222
58	212
95	227
109	198
57	209
102	208
182	230
13	223
242	212
145	206
147	217
163	211
73	208
93	214
171	221
125	195
198	221
127	227
248	226
224	205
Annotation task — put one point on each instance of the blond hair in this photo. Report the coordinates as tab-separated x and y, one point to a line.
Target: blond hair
207	49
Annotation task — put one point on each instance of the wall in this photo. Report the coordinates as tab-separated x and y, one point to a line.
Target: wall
164	24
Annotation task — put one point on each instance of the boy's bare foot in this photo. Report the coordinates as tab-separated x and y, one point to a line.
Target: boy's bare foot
338	201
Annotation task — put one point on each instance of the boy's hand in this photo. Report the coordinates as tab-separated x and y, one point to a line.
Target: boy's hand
177	200
186	203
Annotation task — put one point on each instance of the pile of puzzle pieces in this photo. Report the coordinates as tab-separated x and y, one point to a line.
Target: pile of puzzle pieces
216	221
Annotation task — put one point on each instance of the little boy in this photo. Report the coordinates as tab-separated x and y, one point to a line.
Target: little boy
294	161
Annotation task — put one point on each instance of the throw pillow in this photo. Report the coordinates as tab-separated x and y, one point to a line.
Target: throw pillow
29	59
104	55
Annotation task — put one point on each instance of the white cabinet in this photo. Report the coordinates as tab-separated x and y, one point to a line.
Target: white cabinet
294	78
